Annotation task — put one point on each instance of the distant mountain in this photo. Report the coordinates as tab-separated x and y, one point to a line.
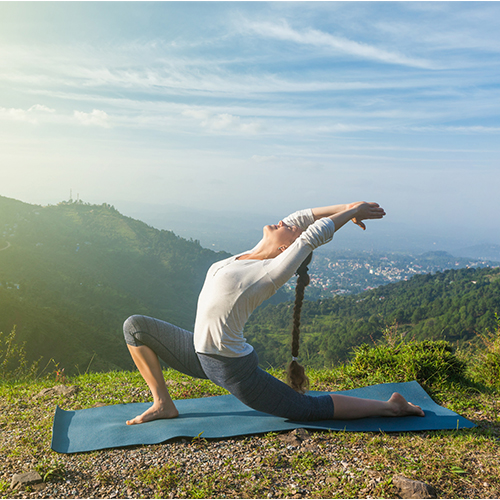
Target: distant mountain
435	255
485	252
71	274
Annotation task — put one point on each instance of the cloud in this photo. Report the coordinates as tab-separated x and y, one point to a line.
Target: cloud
42	108
30	115
212	76
15	114
39	113
97	117
316	38
222	121
471	129
198	114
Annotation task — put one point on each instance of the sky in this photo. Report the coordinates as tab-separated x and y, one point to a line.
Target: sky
207	111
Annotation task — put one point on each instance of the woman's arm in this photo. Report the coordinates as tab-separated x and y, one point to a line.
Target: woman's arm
357	212
321	212
282	267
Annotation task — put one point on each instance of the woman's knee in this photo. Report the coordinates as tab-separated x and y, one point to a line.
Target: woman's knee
130	330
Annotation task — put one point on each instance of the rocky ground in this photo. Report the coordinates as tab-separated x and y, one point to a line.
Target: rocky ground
293	465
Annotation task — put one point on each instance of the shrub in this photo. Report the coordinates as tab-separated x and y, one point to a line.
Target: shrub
428	361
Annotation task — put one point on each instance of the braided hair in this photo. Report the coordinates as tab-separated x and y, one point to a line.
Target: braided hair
296	376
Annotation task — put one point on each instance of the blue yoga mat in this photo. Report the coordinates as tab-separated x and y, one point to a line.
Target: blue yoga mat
225	416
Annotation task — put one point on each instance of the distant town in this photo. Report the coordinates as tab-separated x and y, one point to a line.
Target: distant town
342	273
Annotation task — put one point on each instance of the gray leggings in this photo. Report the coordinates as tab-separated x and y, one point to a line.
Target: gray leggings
242	376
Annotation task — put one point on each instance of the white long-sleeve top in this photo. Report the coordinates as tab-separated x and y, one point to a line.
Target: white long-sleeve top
234	288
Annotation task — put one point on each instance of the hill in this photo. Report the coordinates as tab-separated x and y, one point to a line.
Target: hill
453	305
71	274
485	251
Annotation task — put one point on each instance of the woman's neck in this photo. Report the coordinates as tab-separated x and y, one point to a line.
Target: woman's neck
251	256
262	252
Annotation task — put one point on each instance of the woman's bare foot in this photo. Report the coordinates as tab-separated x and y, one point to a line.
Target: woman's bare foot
402	408
155	412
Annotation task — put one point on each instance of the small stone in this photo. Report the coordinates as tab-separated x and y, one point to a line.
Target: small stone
332	480
413	489
290	439
66	391
46	392
59	390
25	479
302	434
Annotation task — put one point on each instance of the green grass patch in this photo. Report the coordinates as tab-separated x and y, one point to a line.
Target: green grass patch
460	464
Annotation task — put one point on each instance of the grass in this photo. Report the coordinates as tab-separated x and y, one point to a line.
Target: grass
487	367
460	464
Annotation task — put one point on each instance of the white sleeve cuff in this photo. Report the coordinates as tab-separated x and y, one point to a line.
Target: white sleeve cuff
301	218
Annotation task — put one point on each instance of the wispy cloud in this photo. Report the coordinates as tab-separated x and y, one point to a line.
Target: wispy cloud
337	44
173	75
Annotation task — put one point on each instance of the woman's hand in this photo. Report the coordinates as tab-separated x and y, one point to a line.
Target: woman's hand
365	211
359	223
357	212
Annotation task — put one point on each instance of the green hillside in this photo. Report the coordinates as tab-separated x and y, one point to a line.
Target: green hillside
453	305
71	274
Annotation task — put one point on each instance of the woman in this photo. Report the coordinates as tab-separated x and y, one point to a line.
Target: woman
233	289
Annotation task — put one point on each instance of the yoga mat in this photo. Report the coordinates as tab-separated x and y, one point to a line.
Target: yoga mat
225	416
